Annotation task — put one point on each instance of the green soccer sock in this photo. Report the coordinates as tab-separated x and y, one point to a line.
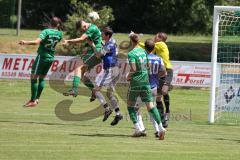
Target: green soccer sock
34	88
41	85
133	115
89	84
76	82
155	114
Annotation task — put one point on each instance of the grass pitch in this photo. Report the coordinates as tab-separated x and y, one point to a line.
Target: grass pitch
37	134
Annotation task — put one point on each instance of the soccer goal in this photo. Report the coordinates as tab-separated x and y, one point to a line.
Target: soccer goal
224	104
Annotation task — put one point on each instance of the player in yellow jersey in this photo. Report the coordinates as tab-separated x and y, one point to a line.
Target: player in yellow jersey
161	50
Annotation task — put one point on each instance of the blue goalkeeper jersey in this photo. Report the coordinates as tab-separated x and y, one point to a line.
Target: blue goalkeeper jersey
155	66
110	54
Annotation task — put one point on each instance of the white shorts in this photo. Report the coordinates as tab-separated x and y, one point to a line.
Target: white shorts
108	78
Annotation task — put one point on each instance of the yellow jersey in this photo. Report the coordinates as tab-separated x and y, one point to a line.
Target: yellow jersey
162	51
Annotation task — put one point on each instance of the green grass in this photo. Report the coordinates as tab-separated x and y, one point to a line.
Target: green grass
37	134
181	47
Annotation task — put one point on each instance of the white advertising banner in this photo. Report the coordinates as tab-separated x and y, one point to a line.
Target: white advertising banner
18	66
194	74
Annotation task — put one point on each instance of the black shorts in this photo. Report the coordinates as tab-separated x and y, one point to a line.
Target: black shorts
167	80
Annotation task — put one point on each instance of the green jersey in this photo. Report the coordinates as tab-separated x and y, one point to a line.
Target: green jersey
140	78
94	34
88	56
50	38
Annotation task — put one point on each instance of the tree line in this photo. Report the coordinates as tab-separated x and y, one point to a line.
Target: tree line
146	16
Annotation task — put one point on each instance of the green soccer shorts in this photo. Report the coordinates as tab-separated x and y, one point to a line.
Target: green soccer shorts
90	59
41	66
143	92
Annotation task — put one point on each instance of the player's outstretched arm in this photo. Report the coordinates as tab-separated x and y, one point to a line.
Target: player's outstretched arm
76	40
35	42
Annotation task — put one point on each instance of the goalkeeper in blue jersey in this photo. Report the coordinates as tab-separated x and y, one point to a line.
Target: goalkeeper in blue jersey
156	71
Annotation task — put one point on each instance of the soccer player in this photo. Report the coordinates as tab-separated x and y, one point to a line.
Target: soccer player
88	58
110	75
139	86
156	71
47	41
162	51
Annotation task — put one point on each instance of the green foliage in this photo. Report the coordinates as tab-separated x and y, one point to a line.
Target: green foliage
7	12
38	12
80	12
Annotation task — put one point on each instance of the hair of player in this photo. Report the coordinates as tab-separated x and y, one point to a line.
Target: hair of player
162	35
149	45
134	38
108	31
78	24
56	22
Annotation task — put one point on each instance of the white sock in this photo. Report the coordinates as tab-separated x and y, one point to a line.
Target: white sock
118	113
155	125
100	98
140	121
161	128
137	127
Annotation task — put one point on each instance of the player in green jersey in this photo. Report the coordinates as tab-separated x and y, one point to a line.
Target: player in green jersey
47	41
140	87
88	58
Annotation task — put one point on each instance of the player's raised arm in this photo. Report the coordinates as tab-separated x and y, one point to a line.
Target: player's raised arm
34	42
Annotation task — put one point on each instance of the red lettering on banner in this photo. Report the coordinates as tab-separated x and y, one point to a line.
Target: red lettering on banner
7	63
55	65
72	67
63	67
9	74
16	64
24	63
31	64
187	78
99	69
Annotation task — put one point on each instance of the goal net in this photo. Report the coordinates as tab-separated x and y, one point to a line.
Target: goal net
225	88
8	16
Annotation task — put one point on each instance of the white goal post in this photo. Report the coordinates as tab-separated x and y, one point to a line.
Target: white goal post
225	64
